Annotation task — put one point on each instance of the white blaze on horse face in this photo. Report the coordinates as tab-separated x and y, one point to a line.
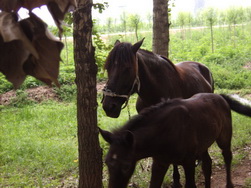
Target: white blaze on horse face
114	156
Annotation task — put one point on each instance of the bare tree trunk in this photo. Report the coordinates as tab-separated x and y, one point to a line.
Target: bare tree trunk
160	27
90	153
212	37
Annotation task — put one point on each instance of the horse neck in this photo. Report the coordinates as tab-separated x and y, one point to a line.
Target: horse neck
157	79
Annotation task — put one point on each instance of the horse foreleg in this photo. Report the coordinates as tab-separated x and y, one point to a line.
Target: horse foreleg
158	173
207	168
176	177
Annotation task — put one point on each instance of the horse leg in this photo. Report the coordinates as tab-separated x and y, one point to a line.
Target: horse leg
176	177
189	168
227	154
158	173
224	144
207	168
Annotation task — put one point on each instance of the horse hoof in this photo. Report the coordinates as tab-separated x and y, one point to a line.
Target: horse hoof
176	185
229	186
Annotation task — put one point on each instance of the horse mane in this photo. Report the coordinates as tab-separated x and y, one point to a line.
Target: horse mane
121	55
162	59
138	121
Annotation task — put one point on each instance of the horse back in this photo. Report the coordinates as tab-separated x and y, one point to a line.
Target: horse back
189	126
196	77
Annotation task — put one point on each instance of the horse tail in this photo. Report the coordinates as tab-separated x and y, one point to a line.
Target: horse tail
237	106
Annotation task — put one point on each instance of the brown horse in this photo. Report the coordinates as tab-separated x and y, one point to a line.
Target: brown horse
178	131
153	77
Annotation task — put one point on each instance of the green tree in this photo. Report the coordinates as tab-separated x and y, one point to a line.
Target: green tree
210	15
123	19
233	19
248	15
181	21
135	20
109	21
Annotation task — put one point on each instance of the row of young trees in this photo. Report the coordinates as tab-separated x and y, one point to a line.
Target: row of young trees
213	16
209	16
125	23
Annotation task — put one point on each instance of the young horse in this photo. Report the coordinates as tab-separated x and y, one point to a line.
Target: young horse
153	77
178	131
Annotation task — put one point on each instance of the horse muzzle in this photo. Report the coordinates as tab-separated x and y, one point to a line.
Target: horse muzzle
112	108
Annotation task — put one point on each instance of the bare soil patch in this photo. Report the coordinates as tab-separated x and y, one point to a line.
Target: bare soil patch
38	94
241	174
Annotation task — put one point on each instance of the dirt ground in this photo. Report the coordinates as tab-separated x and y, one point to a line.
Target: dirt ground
241	173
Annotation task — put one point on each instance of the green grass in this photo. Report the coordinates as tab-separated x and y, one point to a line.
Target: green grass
38	143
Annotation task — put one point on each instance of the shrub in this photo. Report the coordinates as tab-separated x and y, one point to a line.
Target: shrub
21	99
66	92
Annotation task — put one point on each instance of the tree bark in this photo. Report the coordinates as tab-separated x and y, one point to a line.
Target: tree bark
90	153
160	27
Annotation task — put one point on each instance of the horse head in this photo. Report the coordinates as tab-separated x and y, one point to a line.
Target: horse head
122	68
119	158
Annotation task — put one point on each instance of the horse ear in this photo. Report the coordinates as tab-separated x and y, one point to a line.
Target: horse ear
128	138
117	42
137	45
106	135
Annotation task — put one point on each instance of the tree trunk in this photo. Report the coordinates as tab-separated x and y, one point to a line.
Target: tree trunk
160	27
212	37
90	154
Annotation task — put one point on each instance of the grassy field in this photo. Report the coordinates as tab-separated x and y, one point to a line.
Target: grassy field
38	141
38	144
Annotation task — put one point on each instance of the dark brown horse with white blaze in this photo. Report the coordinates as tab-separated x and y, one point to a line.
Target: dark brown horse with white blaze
178	131
133	70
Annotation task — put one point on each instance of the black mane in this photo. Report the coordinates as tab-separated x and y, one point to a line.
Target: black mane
156	59
139	120
121	55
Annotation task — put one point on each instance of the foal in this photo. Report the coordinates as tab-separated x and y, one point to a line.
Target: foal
178	131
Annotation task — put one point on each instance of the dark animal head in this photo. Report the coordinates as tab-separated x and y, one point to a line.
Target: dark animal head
122	68
119	159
